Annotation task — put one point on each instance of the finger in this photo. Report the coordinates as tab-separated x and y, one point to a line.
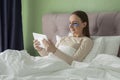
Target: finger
35	40
37	43
38	48
49	41
44	41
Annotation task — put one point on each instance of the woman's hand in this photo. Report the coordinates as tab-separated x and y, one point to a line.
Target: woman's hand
50	47
36	45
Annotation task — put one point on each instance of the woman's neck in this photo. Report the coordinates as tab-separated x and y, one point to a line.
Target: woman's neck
78	35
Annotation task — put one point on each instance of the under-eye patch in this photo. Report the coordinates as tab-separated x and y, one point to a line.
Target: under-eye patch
74	25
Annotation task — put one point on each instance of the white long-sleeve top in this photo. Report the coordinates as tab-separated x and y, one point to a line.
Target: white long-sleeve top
77	47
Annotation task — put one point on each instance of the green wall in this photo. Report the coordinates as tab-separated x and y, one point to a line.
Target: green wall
32	11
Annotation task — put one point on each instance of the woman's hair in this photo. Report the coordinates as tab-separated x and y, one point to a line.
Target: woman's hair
83	16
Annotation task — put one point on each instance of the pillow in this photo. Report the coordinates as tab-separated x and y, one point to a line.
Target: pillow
64	48
111	44
67	49
104	44
98	47
58	38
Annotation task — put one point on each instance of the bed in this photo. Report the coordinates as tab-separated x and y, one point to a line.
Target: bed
102	63
100	24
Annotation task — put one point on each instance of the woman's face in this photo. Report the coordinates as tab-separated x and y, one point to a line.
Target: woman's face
76	25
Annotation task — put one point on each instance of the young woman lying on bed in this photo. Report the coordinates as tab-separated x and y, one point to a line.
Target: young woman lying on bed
78	45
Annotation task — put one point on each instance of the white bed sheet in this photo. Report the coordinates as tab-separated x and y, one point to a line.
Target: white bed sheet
19	65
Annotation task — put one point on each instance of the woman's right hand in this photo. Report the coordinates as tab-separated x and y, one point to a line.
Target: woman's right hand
36	45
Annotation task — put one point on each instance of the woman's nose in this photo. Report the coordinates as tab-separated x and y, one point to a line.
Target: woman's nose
70	26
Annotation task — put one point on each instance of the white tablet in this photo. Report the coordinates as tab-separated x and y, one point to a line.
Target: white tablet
40	37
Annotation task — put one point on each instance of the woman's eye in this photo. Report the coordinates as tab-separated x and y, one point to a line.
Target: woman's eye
75	24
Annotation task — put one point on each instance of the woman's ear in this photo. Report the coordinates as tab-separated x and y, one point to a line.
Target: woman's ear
85	23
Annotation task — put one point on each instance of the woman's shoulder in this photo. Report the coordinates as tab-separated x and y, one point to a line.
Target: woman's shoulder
87	39
84	38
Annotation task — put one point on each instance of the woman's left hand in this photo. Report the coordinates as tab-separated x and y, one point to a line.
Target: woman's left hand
49	46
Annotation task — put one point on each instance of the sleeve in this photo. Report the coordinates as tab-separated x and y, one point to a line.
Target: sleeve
79	55
83	50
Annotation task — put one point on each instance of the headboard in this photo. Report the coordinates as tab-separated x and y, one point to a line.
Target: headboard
100	24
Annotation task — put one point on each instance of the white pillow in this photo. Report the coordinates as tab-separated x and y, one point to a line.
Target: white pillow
104	44
111	44
64	48
58	38
67	49
98	47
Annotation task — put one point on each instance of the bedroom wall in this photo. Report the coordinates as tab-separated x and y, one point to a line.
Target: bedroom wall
33	10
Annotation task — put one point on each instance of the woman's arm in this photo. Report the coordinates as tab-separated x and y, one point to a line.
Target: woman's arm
83	50
43	52
80	54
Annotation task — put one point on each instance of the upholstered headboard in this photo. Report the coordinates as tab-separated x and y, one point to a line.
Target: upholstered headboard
101	24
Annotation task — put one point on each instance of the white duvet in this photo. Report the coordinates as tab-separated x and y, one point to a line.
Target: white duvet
19	65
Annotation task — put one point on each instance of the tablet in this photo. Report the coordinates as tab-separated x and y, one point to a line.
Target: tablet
40	37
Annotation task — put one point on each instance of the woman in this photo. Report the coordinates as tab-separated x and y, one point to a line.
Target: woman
79	43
